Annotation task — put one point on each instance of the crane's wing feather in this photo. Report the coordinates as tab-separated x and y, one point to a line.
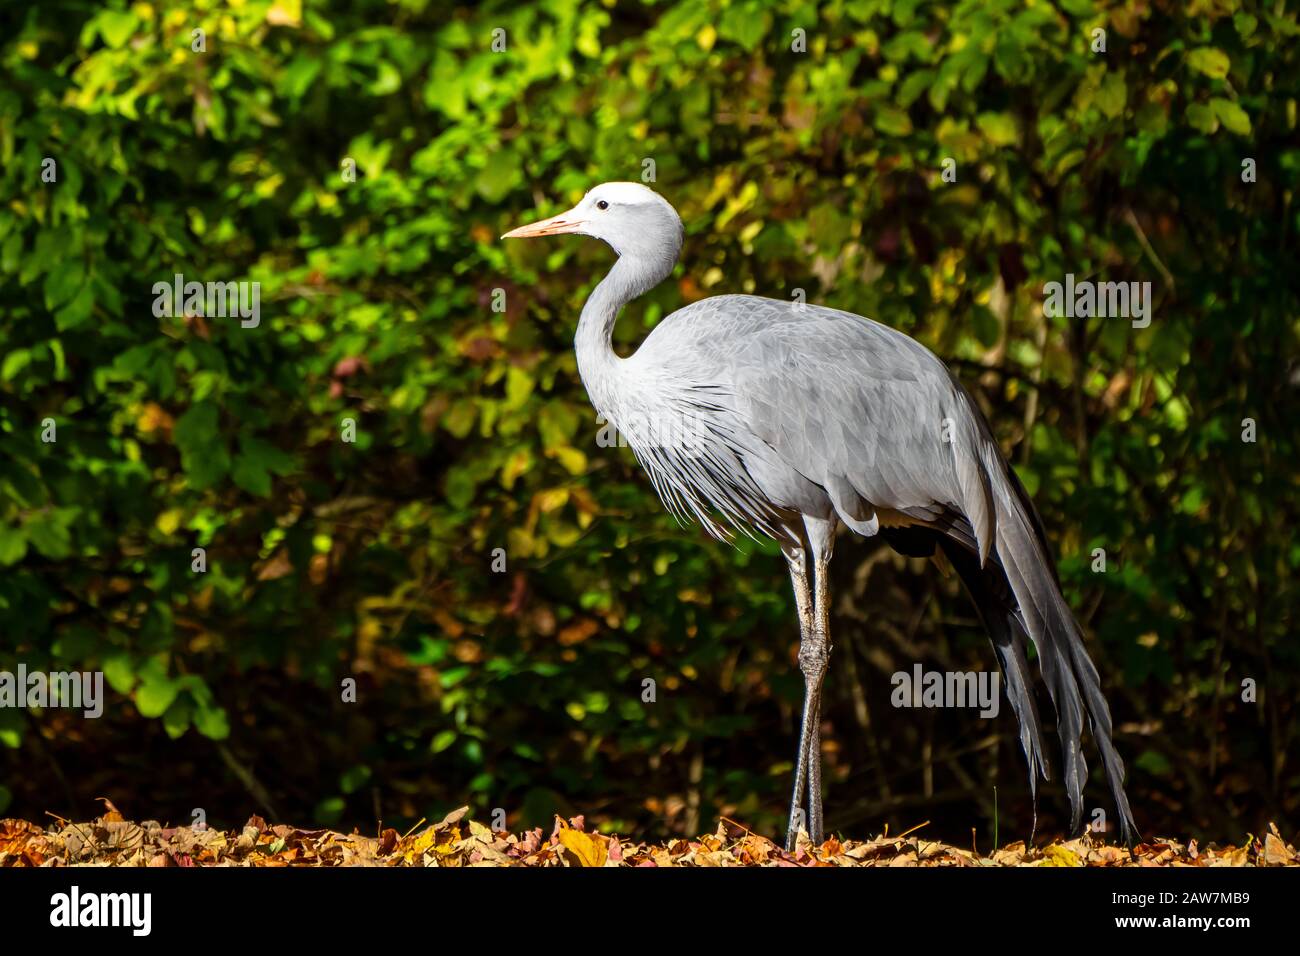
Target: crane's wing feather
860	410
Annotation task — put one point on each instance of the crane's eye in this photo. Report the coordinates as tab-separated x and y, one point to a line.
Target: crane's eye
601	204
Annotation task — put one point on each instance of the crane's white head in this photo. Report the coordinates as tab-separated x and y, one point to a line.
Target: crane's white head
635	220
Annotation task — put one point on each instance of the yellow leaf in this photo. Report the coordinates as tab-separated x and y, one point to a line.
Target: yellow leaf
516	465
573	461
552	498
590	849
1059	856
421	843
169	520
447	840
285	13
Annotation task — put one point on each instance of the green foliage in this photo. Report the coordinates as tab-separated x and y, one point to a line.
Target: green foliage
819	170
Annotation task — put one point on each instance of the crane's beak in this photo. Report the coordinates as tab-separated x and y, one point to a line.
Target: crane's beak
559	225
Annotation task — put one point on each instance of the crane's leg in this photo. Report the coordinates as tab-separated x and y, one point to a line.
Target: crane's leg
821	541
796	558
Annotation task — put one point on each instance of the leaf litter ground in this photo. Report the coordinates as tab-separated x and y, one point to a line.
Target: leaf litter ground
111	840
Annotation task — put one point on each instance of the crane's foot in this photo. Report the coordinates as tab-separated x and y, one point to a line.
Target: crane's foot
791	836
811	823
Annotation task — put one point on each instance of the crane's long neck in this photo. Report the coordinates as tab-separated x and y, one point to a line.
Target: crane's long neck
597	361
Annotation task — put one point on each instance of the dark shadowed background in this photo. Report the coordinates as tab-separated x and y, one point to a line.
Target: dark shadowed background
1171	157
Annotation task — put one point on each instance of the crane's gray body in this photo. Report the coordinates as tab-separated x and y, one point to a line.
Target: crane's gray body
805	410
785	419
